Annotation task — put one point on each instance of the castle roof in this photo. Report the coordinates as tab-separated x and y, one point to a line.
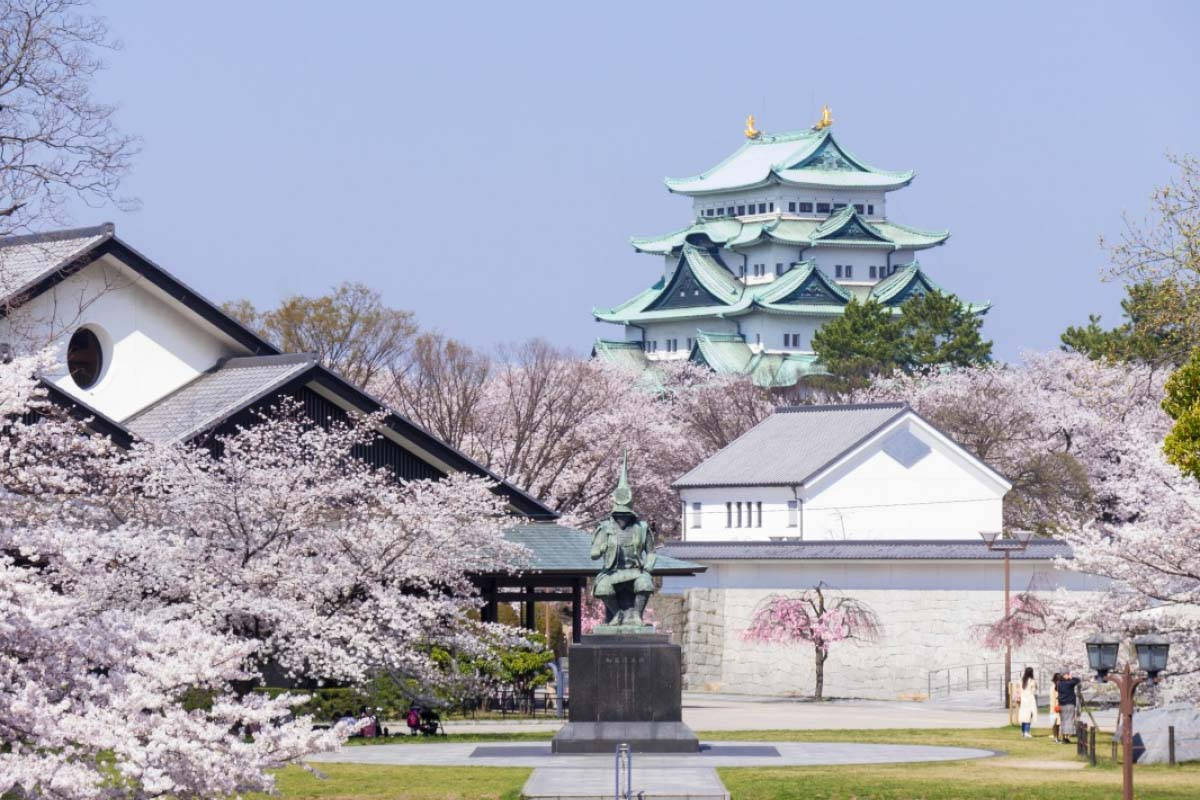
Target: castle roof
703	287
844	228
807	158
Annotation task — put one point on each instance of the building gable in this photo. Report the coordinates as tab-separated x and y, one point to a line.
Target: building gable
685	289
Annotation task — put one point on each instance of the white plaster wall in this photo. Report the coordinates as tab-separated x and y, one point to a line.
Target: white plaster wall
712	514
908	483
771	328
682	330
929	613
150	347
782	195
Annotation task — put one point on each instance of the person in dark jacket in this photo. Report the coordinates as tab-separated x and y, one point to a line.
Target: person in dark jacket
1067	688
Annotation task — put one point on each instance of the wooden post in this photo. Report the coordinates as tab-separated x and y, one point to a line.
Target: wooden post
530	621
1092	745
577	611
1171	745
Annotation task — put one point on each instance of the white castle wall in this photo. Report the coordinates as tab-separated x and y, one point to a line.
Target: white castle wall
929	611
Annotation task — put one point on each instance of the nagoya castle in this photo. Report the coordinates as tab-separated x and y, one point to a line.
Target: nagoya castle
784	233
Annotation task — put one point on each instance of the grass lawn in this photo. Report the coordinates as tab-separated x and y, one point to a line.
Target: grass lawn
353	781
1030	769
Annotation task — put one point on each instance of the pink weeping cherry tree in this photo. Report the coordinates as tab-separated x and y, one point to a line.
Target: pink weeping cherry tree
820	616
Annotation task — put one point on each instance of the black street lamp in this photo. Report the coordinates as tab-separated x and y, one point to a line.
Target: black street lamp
1102	651
1007	544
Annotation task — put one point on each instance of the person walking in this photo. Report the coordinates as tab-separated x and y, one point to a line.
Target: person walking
1068	706
1055	717
1027	712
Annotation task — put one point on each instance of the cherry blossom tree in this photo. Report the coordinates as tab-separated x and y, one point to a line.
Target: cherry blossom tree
1132	518
819	616
129	579
555	424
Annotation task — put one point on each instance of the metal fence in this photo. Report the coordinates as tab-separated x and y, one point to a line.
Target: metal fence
960	678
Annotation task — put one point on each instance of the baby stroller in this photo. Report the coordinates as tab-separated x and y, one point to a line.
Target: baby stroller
424	721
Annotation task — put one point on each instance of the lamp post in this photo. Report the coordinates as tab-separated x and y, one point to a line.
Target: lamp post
1102	653
1007	544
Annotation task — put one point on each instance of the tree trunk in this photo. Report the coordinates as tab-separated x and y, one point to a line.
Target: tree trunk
822	654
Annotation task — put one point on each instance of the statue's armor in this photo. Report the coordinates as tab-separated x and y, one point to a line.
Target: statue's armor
624	559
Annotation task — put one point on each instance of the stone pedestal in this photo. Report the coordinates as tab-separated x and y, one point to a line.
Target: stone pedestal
626	689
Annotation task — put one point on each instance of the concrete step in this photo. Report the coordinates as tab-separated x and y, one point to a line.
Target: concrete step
651	783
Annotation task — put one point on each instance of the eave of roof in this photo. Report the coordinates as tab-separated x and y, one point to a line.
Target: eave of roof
864	550
559	550
735	233
782	158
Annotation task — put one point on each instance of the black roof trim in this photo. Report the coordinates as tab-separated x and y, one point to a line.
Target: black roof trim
525	502
863	550
83	412
57	236
838	407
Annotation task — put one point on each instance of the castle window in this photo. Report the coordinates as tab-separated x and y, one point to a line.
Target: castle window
858	207
741	210
787	340
872	271
695	515
870	209
838	206
770	206
849	270
778	267
758	508
838	271
762	208
806	208
793	513
689	340
729	515
709	212
792	207
822	208
758	338
739	515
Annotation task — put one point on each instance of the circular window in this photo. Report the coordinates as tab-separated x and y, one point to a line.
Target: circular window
85	358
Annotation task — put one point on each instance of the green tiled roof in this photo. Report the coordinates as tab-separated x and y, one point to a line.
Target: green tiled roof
827	297
621	352
911	280
734	233
558	549
808	158
729	354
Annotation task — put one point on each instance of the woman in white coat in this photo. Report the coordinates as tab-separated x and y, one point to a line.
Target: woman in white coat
1027	713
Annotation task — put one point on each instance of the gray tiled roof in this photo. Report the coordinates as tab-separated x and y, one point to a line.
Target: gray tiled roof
557	548
866	549
791	445
25	259
210	398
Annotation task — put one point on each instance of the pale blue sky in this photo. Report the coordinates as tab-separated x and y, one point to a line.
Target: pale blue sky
485	164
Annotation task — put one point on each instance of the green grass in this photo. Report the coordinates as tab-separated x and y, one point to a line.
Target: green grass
355	781
1027	769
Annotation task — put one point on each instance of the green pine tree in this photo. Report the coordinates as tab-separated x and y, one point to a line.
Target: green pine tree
866	340
870	339
939	331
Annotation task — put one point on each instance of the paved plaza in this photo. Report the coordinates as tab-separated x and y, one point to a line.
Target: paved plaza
658	776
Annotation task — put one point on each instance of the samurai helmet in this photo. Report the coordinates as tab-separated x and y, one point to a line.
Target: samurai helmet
622	496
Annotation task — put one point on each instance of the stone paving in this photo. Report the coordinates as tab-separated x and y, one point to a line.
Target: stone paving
658	775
